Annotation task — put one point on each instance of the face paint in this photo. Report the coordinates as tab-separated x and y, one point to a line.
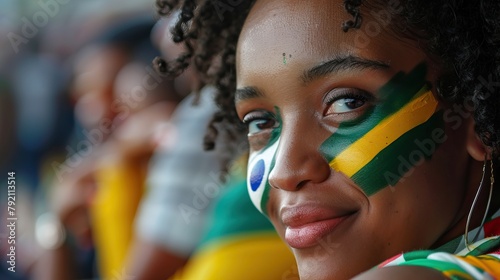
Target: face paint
260	165
368	150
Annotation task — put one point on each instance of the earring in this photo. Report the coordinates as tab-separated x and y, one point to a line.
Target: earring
492	180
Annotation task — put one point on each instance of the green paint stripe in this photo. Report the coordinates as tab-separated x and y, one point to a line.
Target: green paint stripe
382	170
394	95
275	133
265	195
265	200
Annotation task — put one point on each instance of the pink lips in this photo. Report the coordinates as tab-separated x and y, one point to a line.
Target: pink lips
305	226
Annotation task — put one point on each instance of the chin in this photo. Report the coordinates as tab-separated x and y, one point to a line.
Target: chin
332	261
320	270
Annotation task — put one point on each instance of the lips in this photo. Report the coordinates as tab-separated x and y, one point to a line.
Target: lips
306	226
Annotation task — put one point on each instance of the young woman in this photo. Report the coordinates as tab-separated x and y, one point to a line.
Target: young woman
373	127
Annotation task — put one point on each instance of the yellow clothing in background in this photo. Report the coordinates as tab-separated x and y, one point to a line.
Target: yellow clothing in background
119	190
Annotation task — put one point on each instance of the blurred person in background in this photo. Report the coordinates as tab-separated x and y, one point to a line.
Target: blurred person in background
120	106
36	113
167	230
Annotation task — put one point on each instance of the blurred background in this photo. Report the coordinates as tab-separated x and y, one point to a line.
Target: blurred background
67	70
101	158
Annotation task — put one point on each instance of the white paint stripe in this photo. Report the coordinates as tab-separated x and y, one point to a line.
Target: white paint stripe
267	156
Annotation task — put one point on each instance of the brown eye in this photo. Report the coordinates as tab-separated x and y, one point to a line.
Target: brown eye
345	105
259	121
256	126
346	102
261	125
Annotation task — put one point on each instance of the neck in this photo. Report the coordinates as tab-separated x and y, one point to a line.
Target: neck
457	227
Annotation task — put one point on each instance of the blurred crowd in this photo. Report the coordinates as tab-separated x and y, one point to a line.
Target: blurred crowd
111	179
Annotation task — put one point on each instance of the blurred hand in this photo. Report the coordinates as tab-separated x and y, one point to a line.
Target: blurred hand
71	199
137	135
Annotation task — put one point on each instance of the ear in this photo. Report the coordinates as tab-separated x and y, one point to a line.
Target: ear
475	146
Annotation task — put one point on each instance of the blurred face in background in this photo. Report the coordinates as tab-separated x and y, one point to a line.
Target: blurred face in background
96	69
136	89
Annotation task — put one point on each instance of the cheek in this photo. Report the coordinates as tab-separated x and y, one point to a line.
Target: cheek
390	150
259	167
397	136
273	211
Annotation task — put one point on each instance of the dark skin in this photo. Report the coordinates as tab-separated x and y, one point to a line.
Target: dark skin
427	210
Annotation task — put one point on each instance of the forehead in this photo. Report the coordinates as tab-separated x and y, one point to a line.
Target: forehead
306	33
285	20
297	28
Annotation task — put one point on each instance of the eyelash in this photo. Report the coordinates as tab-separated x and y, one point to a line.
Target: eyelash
259	138
329	99
257	115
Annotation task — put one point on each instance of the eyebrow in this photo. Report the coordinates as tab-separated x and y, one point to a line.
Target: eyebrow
246	93
341	63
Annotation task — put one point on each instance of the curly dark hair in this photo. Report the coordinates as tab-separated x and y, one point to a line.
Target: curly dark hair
464	35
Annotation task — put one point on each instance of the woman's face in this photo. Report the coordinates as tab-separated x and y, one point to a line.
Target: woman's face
350	155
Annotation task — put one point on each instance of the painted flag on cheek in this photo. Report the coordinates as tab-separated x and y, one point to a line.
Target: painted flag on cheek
259	166
370	152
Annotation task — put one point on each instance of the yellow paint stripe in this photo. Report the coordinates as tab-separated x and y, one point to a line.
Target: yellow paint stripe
361	152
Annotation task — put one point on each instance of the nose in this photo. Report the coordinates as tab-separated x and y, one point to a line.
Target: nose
298	162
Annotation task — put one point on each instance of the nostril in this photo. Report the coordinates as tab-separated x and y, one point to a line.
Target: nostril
284	180
294	174
272	186
301	184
